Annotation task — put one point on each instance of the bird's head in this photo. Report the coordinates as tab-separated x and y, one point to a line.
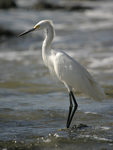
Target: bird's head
39	26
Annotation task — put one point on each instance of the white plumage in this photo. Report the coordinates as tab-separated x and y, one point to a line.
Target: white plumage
76	76
66	69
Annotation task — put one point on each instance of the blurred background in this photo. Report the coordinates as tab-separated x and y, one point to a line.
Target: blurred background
33	106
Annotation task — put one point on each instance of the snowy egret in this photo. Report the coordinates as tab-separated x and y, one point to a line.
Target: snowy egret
66	69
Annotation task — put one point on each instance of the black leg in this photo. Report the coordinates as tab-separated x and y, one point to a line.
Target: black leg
75	108
70	109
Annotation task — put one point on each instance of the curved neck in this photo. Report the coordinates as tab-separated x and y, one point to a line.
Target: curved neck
46	47
49	37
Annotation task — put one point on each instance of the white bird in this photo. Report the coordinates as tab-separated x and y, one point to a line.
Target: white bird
67	70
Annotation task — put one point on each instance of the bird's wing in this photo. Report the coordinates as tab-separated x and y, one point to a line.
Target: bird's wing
67	68
75	75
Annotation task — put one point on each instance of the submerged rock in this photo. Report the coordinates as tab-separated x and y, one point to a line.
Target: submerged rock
5	4
80	126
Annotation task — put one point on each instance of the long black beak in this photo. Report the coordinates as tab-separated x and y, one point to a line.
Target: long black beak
27	31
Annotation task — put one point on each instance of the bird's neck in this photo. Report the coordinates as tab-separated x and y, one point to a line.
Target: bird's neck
48	38
46	47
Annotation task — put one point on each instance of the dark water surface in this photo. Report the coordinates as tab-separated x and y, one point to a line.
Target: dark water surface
33	106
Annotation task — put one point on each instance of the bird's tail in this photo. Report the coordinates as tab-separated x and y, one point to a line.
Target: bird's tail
98	93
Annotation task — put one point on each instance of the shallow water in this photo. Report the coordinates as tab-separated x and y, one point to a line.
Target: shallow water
33	106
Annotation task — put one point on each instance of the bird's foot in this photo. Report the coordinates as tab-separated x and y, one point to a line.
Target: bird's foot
75	127
64	129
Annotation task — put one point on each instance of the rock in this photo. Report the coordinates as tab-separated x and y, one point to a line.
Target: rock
5	4
78	7
6	32
41	5
44	5
80	126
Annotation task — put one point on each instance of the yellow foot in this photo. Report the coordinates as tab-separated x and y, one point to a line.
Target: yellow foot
62	129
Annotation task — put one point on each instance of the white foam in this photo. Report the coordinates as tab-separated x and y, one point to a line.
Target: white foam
96	63
90	113
105	128
101	139
17	55
96	137
92	26
47	140
56	135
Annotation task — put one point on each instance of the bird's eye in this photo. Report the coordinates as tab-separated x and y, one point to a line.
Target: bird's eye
37	26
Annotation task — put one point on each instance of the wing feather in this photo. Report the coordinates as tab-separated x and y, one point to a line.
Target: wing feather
76	76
